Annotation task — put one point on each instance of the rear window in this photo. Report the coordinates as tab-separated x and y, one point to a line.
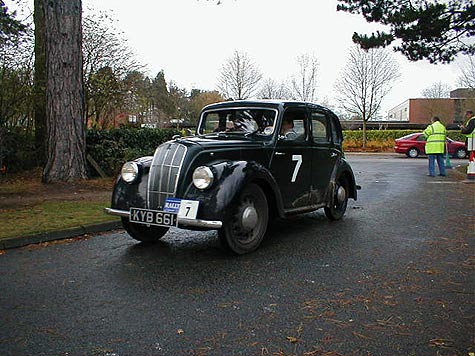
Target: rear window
408	137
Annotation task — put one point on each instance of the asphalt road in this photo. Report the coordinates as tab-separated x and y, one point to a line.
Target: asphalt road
394	277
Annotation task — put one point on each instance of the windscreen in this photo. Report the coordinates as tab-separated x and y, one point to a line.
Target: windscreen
240	121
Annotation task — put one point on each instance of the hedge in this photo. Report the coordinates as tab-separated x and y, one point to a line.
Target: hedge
383	135
111	148
17	150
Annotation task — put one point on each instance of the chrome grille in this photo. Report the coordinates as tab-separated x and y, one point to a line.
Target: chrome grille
164	173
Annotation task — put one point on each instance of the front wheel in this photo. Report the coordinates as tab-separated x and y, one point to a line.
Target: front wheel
142	232
460	153
246	224
339	200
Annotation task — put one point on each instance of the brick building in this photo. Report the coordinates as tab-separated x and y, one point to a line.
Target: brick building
449	110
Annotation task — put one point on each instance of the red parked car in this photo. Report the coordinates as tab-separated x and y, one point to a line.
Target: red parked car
413	145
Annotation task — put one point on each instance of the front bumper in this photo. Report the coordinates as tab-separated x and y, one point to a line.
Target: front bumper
205	224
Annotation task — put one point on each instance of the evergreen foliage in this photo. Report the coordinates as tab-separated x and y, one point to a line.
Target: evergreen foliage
10	28
432	30
111	148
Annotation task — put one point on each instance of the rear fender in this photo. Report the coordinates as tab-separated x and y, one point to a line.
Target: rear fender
343	168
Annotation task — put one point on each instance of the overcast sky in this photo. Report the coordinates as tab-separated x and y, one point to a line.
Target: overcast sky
191	39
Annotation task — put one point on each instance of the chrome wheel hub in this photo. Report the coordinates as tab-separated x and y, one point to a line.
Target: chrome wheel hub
249	218
341	195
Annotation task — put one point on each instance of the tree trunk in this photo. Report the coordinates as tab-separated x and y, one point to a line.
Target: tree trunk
364	132
66	136
39	90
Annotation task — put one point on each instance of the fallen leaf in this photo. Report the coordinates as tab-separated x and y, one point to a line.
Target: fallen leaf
441	342
311	353
361	335
292	339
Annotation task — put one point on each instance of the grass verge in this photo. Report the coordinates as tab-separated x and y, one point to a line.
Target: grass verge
52	216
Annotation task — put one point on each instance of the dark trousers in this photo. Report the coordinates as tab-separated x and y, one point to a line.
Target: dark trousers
440	162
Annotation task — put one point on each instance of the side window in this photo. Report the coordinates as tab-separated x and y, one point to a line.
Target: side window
319	128
211	123
336	131
293	125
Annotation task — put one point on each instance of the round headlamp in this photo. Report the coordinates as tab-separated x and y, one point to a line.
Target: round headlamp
203	177
129	172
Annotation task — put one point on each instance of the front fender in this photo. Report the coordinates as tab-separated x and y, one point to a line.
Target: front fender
230	178
127	195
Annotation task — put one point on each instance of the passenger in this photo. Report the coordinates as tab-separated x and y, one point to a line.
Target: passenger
287	129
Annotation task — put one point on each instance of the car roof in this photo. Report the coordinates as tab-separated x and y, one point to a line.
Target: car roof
272	103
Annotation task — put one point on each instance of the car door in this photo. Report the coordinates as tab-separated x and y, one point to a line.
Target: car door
292	161
421	143
324	154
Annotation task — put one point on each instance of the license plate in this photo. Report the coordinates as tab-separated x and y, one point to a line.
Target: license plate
153	217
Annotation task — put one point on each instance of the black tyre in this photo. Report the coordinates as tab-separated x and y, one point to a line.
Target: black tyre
460	153
413	152
339	200
246	223
144	233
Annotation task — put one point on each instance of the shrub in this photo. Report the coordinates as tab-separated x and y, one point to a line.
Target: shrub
111	148
383	140
18	150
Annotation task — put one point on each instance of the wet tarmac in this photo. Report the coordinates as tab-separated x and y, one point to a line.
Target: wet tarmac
394	277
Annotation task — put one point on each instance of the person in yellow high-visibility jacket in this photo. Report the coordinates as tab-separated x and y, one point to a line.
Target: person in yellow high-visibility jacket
468	129
435	135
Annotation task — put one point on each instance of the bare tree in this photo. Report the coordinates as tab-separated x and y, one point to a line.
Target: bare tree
366	79
270	89
304	83
239	77
16	73
66	136
436	90
105	50
434	107
467	77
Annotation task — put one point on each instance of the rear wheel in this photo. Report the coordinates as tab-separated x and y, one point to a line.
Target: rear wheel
412	152
339	200
142	232
246	223
460	153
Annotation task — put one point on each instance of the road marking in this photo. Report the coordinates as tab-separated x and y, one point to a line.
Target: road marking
442	182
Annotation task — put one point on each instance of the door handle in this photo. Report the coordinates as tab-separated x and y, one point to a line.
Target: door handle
280	153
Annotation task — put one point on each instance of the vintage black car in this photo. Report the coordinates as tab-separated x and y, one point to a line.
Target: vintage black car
248	162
